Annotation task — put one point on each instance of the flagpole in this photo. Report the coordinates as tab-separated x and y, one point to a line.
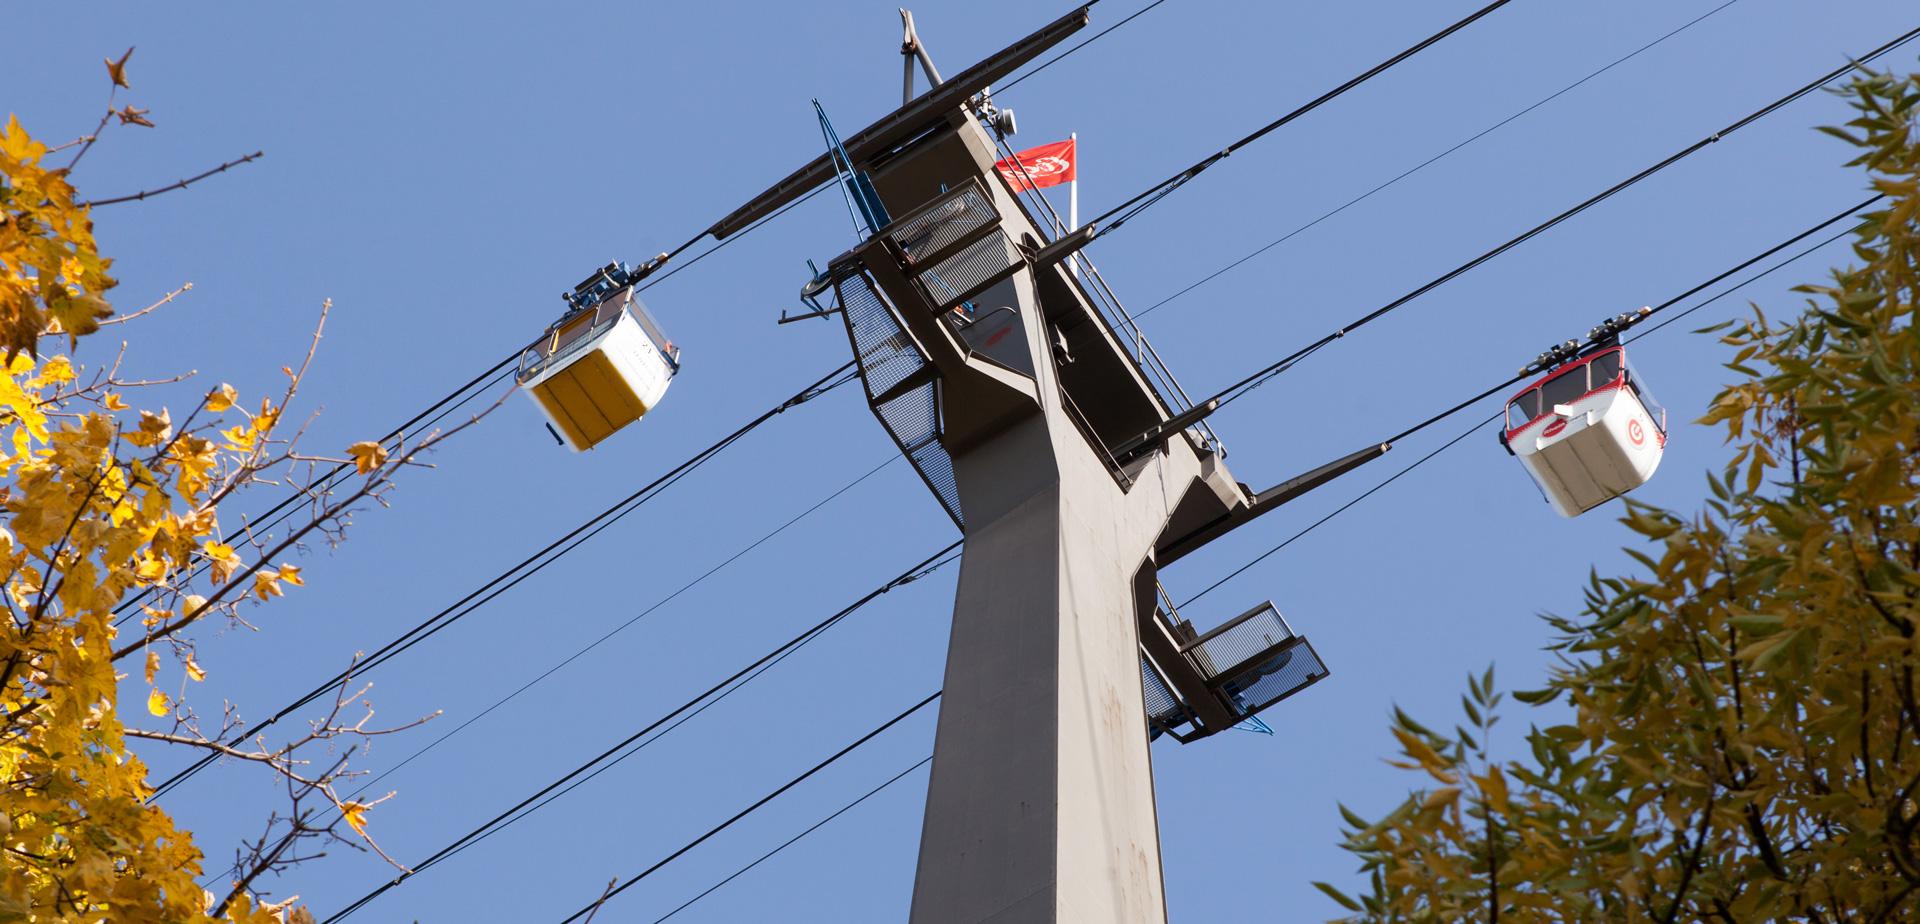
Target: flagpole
1073	199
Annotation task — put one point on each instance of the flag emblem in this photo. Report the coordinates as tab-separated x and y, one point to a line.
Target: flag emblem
1038	168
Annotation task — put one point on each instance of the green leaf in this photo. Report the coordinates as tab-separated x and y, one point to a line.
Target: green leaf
1338	896
1758	624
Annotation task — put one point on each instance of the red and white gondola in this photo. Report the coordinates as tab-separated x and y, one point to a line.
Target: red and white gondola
1588	430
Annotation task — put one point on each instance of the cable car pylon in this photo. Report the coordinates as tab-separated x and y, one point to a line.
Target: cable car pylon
1075	467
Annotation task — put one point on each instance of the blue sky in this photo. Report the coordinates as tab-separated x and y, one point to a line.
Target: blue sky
442	173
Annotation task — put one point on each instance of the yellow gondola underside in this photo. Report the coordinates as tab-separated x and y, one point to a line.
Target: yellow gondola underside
589	399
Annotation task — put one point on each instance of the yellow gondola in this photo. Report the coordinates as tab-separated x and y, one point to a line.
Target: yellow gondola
603	365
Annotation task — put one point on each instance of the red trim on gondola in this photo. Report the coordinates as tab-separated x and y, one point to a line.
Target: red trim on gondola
1616	383
1562	370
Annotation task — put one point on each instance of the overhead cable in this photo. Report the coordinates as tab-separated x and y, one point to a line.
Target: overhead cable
1429	161
769	797
623	626
1090	40
1457	408
1254	380
527	567
1152	194
425	420
526	806
1349	504
789	842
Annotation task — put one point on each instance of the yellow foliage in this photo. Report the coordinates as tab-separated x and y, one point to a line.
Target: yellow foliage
356	815
1743	720
54	276
367	456
83	528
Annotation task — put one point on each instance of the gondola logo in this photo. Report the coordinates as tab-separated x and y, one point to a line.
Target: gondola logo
1553	429
1636	433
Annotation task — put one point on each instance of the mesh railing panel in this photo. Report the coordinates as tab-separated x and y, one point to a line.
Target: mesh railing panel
1286	672
885	353
949	221
887	357
973	265
1247	636
1162	705
914	420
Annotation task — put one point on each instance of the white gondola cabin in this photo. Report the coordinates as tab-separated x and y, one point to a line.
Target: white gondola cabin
1587	432
602	366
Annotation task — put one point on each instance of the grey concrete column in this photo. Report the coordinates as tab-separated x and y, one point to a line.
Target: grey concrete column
1041	807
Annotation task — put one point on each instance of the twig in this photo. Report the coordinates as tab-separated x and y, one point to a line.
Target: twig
83	139
94	135
603	900
181	184
170	296
376	481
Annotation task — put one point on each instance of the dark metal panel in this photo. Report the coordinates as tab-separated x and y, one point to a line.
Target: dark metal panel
906	122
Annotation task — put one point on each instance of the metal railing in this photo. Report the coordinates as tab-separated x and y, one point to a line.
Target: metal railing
1108	307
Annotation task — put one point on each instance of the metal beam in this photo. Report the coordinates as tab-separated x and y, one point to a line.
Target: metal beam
904	123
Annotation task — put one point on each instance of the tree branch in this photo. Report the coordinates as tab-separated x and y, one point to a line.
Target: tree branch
180	184
170	296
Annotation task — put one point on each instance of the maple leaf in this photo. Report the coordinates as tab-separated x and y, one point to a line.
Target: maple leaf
118	69
221	398
367	456
356	815
132	116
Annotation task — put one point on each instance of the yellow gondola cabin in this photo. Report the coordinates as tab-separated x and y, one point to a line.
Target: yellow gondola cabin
602	366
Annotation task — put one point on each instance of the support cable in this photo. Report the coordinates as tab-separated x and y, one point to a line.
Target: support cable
439	409
1443	415
616	630
424	420
1090	40
842	810
613	755
662	277
1259	377
527	806
1145	199
525	568
1378	487
1356	500
1432	160
769	797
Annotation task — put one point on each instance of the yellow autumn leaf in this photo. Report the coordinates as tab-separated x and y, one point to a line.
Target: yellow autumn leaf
222	398
356	815
153	666
113	402
154	429
367	456
291	574
266	584
55	371
195	671
1494	788
157	702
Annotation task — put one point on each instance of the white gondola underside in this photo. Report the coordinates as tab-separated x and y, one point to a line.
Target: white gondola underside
1609	445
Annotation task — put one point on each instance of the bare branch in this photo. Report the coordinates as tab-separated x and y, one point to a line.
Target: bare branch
180	184
170	296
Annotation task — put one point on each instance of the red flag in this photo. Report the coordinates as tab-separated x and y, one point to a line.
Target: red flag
1046	165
